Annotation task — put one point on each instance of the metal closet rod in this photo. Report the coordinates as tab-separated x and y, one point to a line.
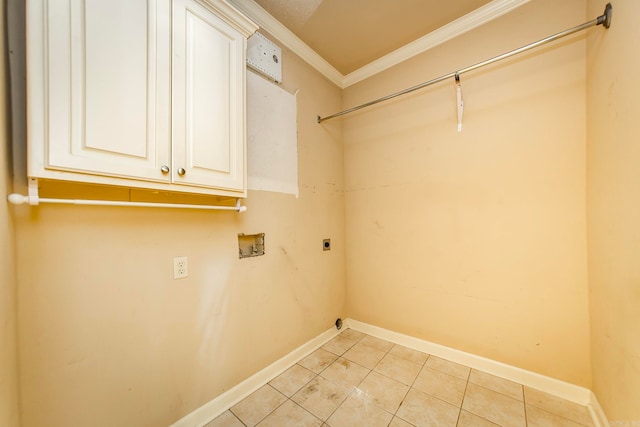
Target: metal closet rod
604	19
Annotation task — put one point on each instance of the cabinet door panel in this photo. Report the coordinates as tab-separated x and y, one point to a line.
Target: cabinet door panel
116	78
208	99
207	96
108	85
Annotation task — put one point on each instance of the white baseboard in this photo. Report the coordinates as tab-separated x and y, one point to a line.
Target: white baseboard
597	414
209	411
564	390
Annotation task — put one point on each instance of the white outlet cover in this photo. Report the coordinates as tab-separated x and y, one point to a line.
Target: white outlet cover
180	267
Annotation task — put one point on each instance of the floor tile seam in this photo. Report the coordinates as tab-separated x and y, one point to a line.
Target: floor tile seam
379	361
352	361
301	387
464	394
557	415
479	416
343	386
402	359
232	414
354	388
440	370
337	383
424	366
408	348
374	403
348	389
385	355
439	398
326	367
304	409
445	373
350	347
237	418
522	386
499	392
333	352
484	418
274	409
377	349
524	396
337	407
357	363
406	421
309	369
305	384
395	379
296	363
355	340
346	329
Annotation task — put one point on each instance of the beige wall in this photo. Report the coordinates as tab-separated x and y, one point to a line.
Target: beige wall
476	240
108	338
9	410
613	159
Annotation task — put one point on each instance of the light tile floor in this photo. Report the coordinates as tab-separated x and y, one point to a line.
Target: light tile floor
359	380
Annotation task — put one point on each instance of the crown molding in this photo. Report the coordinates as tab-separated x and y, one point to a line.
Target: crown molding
468	22
236	19
290	40
480	16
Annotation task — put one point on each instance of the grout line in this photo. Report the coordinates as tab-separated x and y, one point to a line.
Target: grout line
555	414
304	409
371	370
274	409
502	379
464	395
497	392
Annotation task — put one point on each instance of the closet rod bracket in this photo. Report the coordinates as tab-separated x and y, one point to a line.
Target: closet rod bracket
605	18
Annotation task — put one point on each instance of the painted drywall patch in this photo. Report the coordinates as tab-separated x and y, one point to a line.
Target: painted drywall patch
272	143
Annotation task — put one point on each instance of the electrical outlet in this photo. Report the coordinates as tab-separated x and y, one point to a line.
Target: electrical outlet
180	267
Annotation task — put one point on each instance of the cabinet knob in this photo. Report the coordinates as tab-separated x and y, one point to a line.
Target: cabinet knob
181	171
165	169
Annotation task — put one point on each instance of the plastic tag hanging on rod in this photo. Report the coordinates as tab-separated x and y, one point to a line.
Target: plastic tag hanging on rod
460	102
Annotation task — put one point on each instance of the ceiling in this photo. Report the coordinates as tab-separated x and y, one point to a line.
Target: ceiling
350	34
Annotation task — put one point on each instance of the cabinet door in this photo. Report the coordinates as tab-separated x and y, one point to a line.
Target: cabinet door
105	84
208	99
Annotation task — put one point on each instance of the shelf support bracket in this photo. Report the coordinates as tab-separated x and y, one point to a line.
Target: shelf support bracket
34	199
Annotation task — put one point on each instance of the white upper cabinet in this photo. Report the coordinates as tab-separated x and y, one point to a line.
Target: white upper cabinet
138	93
208	98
